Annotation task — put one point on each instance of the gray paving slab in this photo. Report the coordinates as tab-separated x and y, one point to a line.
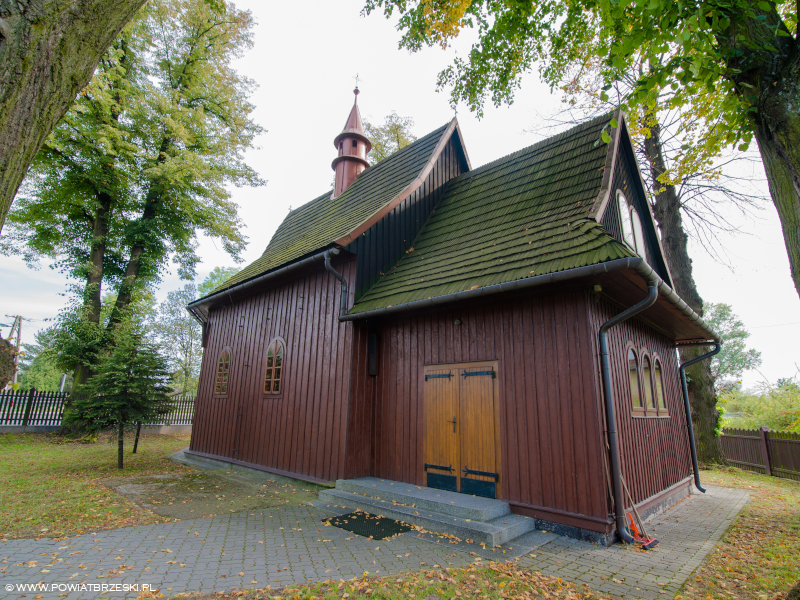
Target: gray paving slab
290	545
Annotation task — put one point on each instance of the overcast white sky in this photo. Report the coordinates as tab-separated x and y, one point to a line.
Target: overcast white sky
305	66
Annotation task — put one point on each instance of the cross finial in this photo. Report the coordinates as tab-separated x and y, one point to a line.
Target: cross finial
357	78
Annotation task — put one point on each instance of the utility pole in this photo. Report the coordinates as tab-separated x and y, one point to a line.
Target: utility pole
16	326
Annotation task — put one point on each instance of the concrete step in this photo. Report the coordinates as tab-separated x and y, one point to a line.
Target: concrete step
440	501
493	532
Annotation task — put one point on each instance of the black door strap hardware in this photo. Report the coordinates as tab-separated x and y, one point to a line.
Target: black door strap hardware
438	376
467	472
440	467
476	373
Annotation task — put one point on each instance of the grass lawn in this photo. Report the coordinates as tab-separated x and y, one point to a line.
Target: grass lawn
759	556
52	487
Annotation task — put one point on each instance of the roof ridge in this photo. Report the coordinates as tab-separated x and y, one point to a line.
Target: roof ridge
557	138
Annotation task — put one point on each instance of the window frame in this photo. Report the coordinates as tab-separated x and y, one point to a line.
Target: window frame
636	411
226	350
660	412
277	340
647	383
629	214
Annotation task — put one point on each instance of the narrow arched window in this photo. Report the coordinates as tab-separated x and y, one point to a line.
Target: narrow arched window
632	232
223	368
633	378
647	381
273	379
659	388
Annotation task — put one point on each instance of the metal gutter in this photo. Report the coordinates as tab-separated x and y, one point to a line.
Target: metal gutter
688	408
637	264
342	280
197	304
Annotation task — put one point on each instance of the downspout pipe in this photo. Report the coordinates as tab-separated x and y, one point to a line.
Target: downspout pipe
611	419
687	406
342	280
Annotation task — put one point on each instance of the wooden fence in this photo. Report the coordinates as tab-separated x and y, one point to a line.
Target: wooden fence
33	409
775	453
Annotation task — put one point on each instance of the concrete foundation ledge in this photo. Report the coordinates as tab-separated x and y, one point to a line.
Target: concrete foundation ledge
29	428
167	429
199	461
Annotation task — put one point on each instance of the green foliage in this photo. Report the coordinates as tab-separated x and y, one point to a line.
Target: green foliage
130	385
180	335
775	405
7	353
685	48
39	367
395	133
215	279
143	161
734	358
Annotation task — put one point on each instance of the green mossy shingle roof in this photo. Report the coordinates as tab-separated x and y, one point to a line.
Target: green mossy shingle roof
319	223
520	216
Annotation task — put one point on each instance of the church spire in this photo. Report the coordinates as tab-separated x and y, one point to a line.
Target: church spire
352	146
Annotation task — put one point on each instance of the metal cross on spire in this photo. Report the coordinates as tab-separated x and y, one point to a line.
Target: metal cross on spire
357	78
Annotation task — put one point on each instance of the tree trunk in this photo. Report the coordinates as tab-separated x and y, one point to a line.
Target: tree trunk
48	52
120	441
702	395
136	440
777	132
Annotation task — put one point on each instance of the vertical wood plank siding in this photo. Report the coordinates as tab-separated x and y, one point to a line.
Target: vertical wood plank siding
383	244
550	431
303	430
654	452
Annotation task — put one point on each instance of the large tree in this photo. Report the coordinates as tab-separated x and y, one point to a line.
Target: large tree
395	133
142	161
48	52
180	337
745	51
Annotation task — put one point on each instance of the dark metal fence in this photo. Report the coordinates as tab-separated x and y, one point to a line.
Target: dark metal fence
34	409
775	453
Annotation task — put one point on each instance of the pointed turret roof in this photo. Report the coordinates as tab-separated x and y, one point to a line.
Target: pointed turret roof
353	127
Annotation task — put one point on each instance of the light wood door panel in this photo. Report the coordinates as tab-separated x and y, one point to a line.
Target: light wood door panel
477	421
441	420
461	425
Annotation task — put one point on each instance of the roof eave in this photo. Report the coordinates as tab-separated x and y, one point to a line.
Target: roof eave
634	263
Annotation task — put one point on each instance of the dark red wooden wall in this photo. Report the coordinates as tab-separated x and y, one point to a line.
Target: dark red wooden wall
549	421
304	430
654	452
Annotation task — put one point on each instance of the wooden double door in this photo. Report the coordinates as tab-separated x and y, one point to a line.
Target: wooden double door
461	428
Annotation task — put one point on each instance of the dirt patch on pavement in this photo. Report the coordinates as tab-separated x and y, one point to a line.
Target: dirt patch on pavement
209	493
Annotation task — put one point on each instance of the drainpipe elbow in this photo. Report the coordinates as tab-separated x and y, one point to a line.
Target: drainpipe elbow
342	280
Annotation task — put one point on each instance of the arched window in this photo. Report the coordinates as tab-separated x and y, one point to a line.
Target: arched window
649	400
223	368
273	384
632	232
633	376
659	388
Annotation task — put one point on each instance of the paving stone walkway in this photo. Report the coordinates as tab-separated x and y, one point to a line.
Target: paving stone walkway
290	545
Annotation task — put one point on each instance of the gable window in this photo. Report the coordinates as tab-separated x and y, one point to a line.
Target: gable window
273	379
632	232
633	380
223	369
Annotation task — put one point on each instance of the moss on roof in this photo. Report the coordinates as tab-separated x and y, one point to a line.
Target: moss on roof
319	223
520	216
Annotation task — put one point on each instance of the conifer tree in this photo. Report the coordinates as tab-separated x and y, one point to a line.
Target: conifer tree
129	387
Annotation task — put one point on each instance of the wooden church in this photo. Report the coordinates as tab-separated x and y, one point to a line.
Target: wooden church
441	325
